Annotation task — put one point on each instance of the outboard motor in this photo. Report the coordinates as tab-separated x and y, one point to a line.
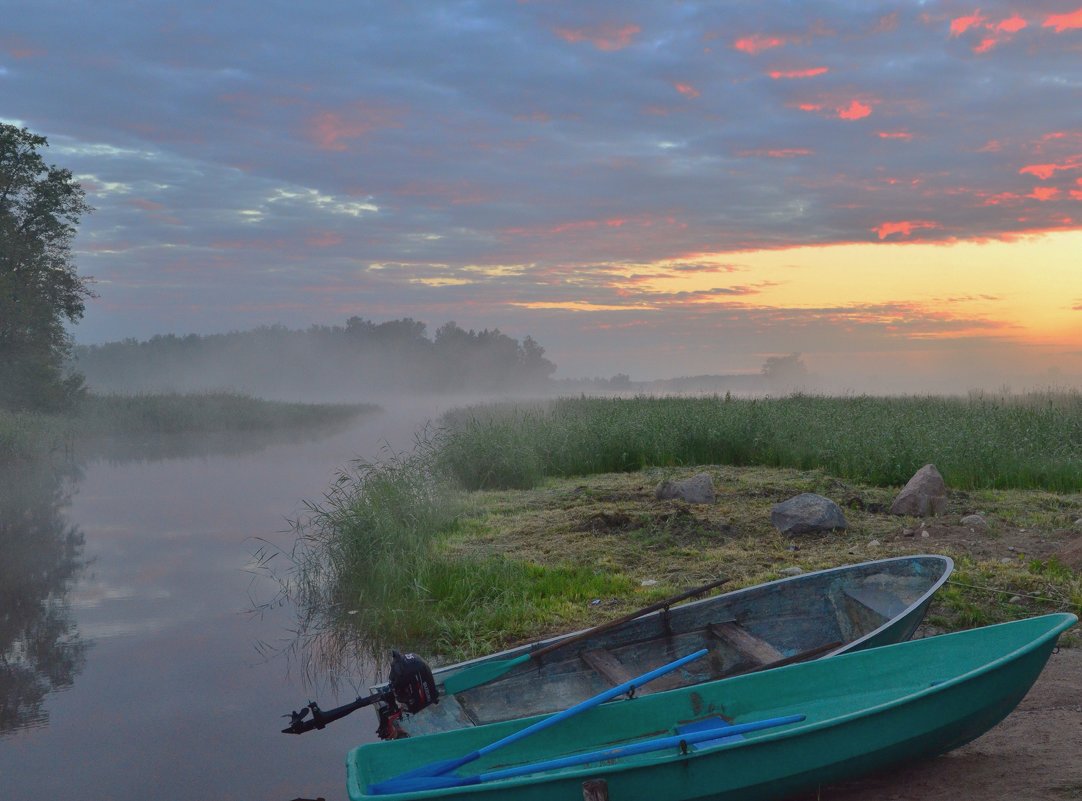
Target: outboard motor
410	688
412	682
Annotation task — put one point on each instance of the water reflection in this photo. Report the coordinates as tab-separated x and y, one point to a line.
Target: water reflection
41	556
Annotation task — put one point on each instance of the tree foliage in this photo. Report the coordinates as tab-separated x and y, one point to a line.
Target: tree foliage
361	359
40	290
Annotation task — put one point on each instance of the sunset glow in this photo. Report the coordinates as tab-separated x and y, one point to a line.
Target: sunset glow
652	189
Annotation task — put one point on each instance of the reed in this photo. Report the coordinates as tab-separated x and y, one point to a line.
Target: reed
980	441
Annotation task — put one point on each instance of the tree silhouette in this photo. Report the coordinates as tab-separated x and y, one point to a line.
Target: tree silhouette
42	555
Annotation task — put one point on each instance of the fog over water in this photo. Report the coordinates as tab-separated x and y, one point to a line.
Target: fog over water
161	692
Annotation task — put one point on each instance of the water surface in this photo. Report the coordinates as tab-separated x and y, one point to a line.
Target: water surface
129	667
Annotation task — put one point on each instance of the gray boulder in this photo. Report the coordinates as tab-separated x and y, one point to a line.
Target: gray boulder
925	494
697	489
807	514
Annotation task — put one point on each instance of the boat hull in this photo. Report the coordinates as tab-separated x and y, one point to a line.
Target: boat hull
811	615
864	711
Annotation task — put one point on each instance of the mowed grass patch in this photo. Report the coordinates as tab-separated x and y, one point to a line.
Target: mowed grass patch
1005	571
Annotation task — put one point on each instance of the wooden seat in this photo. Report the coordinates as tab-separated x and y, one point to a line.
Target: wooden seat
607	665
746	643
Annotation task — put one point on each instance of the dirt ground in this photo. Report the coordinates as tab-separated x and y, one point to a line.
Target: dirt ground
1033	755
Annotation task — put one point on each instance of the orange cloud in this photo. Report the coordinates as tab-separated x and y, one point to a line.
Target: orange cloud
1064	22
960	25
854	111
807	73
686	89
903	227
606	37
756	43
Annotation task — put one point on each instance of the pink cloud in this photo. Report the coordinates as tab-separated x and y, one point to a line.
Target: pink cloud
1064	22
960	25
895	135
1012	24
323	239
607	37
19	49
854	111
756	43
686	89
903	227
329	130
1046	171
778	153
1043	193
805	73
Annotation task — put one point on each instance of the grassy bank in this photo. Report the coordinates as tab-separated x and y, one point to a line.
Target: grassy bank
509	522
30	434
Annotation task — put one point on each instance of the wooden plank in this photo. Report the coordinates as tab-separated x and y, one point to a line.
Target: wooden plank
811	653
607	665
746	642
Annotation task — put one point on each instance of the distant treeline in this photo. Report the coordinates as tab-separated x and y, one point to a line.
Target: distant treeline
360	359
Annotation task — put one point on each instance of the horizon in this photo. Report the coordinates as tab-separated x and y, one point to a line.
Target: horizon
892	190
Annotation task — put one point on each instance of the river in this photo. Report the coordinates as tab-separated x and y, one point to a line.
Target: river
129	667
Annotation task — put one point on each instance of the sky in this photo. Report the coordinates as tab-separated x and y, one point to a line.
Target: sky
891	189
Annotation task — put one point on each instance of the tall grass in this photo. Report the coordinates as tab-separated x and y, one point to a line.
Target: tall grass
1032	441
369	573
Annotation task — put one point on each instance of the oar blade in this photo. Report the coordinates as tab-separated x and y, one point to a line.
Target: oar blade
477	675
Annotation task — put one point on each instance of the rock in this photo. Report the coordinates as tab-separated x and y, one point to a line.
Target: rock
925	534
697	489
792	571
873	543
807	513
974	520
1078	523
648	582
1016	600
925	494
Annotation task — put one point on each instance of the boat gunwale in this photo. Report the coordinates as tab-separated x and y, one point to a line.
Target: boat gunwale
446	671
1066	621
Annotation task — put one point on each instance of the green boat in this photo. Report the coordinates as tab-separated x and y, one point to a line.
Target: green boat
826	720
807	616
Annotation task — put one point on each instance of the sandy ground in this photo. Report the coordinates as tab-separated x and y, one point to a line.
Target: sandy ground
1033	755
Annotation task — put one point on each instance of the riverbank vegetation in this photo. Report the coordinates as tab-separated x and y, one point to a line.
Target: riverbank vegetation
94	417
512	521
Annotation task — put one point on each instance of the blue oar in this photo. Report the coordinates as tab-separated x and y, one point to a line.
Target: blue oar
420	783
447	765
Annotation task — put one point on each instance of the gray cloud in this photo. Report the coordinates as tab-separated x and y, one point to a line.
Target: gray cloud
272	161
